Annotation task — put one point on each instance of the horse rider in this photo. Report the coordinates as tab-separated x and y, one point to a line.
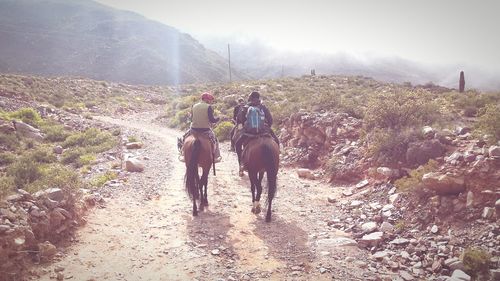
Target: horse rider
236	110
202	116
253	101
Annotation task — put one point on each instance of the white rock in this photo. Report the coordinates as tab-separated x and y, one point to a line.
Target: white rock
330	243
356	203
388	172
27	131
386	227
134	165
372	239
305	173
400	241
488	212
494	151
460	275
470	200
393	198
380	255
362	184
434	229
369	227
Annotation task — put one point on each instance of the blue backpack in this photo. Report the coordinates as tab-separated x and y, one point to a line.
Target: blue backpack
255	120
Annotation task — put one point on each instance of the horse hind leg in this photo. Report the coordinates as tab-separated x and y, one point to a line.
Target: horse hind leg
268	214
253	181
259	192
195	209
204	187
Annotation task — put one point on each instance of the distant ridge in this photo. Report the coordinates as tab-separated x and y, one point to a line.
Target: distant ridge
85	38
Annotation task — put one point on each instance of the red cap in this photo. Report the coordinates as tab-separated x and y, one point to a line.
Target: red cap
207	96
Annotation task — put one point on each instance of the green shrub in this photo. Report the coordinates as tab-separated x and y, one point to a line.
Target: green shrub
58	176
476	262
7	186
400	109
55	133
414	180
85	159
6	158
470	111
102	179
388	146
93	139
132	139
42	154
181	119
9	141
71	156
489	122
24	171
27	115
223	130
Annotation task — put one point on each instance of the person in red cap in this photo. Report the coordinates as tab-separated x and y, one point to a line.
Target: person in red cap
202	116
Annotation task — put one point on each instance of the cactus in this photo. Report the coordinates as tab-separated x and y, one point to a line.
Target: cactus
461	84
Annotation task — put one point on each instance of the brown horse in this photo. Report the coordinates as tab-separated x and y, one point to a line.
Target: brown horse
261	155
198	152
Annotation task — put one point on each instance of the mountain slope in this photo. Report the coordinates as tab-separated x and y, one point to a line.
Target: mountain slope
84	38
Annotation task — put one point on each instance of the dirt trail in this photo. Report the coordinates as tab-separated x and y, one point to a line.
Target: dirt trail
133	238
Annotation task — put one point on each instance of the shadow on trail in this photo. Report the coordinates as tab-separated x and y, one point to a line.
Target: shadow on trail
286	241
210	229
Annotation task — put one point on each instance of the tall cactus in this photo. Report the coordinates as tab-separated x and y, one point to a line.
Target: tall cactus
461	83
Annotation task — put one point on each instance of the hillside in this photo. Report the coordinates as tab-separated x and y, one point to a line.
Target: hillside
377	181
84	38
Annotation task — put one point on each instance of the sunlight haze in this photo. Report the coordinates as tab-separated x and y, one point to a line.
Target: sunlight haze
440	32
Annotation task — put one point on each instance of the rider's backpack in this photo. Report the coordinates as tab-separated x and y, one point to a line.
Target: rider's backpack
255	120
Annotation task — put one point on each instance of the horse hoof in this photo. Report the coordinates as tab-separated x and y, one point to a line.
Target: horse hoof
195	214
253	210
268	218
257	210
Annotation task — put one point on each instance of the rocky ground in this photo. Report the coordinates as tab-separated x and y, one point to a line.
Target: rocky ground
141	227
145	230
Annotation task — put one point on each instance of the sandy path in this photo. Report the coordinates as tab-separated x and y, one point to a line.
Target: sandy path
137	239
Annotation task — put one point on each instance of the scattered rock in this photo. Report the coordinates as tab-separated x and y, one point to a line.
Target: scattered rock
46	250
134	145
134	165
58	149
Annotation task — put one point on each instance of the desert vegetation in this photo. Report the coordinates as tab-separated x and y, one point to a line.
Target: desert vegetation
35	165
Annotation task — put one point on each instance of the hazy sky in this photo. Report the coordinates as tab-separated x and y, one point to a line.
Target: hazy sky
427	31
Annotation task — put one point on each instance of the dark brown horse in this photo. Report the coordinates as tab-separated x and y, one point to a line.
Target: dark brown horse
198	152
261	155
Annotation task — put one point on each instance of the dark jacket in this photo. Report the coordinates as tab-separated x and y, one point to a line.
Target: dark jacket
242	115
236	111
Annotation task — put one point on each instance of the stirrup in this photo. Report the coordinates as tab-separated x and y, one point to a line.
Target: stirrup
181	158
217	159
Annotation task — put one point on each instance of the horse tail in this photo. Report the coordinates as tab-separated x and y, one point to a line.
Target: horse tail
192	177
271	170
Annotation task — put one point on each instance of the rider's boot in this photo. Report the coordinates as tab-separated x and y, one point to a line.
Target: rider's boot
218	158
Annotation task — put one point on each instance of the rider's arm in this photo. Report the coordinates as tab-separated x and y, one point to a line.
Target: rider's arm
241	118
211	117
268	116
